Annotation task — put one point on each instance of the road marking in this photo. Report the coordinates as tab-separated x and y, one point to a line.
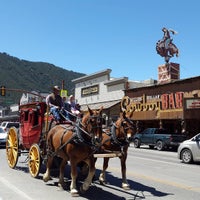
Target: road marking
154	160
170	183
166	162
14	188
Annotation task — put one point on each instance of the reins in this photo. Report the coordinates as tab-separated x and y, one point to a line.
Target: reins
78	129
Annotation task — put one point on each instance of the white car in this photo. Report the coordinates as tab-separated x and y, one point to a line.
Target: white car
3	137
189	150
4	128
7	125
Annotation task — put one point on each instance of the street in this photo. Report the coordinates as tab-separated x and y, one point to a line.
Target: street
151	174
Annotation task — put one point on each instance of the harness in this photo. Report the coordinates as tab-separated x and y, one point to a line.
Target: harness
113	137
77	137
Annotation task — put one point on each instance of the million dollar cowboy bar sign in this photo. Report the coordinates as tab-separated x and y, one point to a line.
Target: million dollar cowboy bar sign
164	106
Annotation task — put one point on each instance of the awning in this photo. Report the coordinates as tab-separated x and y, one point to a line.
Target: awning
94	106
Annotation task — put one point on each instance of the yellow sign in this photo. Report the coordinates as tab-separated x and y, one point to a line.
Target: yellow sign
63	93
3	91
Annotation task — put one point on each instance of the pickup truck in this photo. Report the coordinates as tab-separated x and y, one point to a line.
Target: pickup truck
159	138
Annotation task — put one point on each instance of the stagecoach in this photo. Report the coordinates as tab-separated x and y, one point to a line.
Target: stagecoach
30	138
35	130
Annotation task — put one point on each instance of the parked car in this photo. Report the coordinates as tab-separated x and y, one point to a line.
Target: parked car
157	137
189	150
7	125
3	136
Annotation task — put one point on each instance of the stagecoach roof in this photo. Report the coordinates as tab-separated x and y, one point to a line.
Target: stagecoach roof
106	105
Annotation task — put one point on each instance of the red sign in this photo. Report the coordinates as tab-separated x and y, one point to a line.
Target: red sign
172	101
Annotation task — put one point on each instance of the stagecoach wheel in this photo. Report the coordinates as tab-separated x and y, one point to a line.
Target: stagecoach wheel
12	147
34	162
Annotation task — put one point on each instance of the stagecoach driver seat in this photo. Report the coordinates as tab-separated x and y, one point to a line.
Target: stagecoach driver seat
55	103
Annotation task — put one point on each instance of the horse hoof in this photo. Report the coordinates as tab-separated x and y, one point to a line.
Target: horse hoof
61	186
46	179
82	191
74	193
102	182
126	186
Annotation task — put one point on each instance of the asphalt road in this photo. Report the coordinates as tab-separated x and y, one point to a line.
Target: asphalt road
151	175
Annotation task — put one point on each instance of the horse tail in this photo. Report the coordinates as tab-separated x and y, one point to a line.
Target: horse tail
160	48
49	142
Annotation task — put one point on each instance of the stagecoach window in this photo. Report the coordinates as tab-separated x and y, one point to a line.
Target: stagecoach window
26	115
33	117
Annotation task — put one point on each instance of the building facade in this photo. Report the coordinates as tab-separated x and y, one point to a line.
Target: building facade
174	105
99	89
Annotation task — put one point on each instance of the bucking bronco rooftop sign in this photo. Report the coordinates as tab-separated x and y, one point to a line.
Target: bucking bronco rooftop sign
165	47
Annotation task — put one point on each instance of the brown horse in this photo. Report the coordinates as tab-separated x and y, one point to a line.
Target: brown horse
167	53
75	144
117	140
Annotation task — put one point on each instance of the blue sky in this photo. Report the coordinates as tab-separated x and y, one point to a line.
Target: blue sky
88	36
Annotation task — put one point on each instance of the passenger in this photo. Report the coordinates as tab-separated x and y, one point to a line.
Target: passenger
73	108
67	107
55	102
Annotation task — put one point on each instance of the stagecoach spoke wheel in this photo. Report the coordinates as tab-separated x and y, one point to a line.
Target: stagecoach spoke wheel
12	147
34	160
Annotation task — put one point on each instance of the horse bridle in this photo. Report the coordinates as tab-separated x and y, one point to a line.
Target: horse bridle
91	132
123	124
127	127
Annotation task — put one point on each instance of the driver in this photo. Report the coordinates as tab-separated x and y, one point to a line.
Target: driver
55	102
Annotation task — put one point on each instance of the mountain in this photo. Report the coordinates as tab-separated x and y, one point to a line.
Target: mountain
26	75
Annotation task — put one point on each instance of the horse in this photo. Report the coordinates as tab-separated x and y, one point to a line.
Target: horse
166	52
75	143
173	50
117	140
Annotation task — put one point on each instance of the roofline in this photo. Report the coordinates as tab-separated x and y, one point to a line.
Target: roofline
161	84
116	81
94	75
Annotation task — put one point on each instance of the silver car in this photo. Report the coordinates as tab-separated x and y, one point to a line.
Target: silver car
189	150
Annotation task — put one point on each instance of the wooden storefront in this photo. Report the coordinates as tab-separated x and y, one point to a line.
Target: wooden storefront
174	105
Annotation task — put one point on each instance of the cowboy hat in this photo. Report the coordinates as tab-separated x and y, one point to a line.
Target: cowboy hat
56	87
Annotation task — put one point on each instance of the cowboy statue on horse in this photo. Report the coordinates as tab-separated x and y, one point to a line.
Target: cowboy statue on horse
165	47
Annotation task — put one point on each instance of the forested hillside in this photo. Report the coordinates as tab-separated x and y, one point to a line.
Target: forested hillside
37	76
